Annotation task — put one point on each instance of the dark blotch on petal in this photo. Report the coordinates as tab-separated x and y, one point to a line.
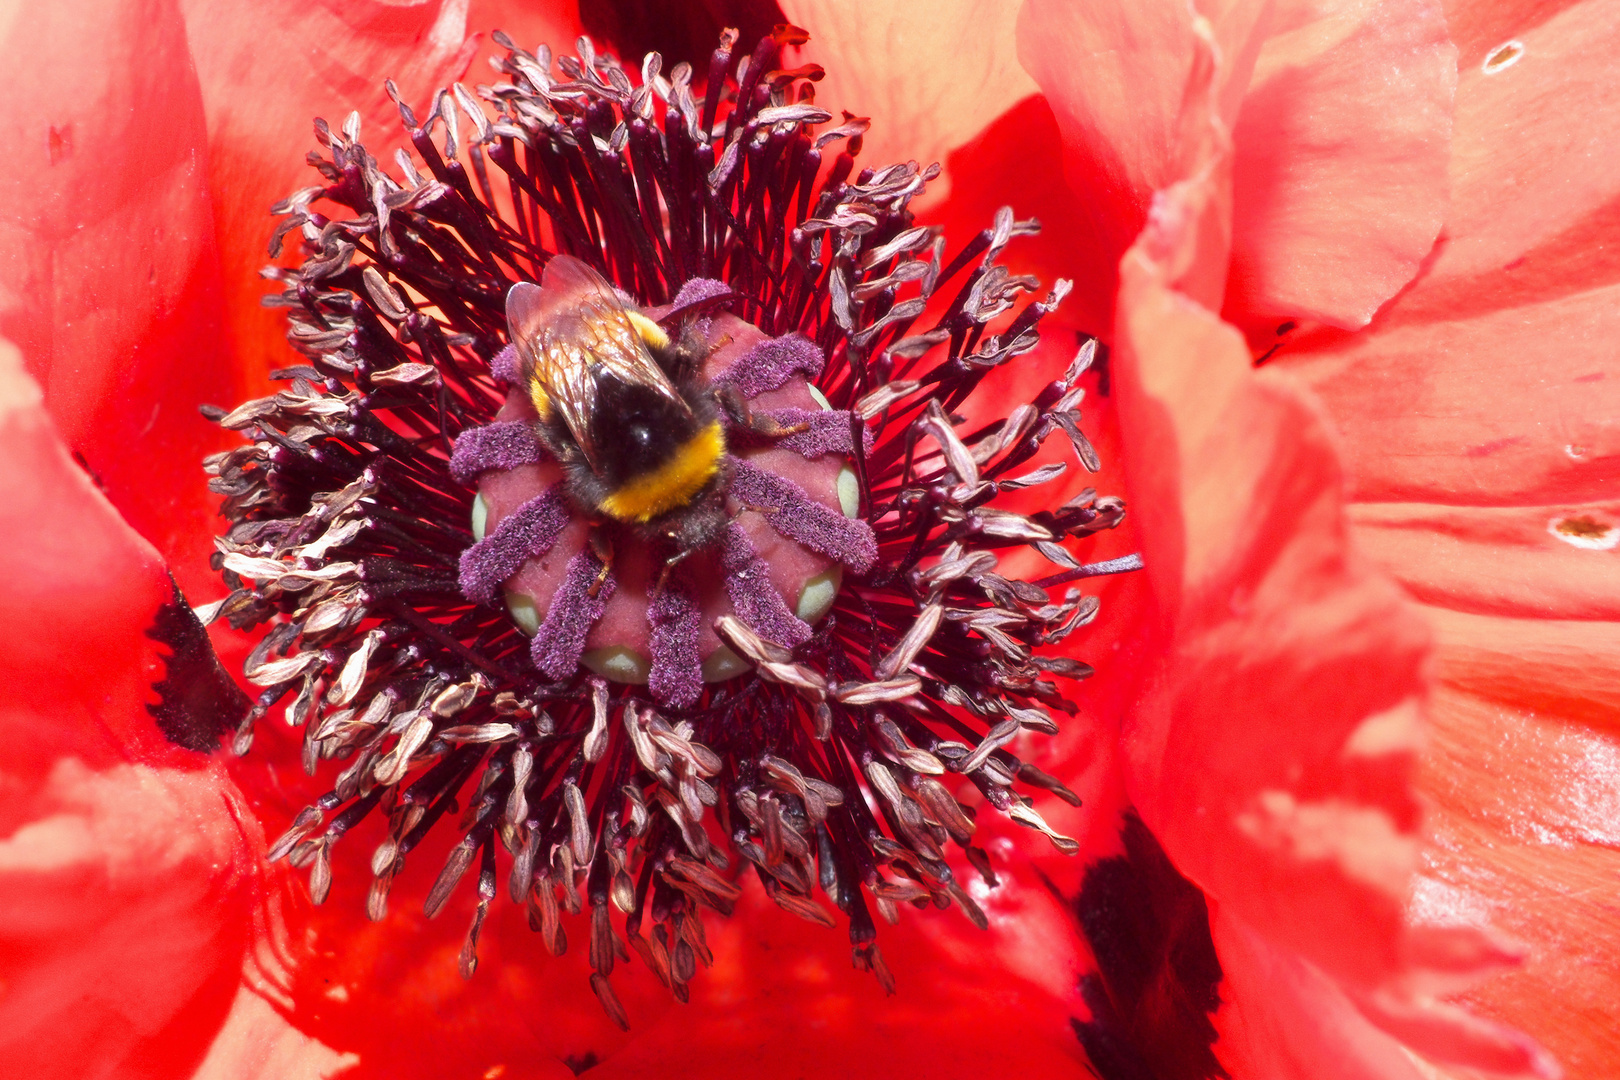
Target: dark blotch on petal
529	531
505	444
561	640
579	1063
198	701
795	515
1158	978
681	29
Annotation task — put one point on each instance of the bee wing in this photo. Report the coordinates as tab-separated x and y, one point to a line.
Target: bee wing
569	331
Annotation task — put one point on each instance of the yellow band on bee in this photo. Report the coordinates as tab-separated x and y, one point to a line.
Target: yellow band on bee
653	334
673	484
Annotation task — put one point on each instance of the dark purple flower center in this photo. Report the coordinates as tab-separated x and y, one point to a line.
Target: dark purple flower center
840	747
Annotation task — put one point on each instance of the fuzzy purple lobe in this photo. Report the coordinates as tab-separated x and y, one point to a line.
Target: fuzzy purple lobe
698	290
826	433
561	641
676	678
505	444
505	366
753	597
798	517
528	532
772	363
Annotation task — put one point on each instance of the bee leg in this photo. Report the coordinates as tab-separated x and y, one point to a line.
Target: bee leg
685	357
737	411
602	548
669	567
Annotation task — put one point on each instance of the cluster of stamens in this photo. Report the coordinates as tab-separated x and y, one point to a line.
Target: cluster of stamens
841	767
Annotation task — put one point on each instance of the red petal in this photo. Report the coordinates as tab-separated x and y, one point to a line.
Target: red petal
1534	183
110	275
127	870
124	901
1269	748
931	78
259	1043
1511	406
1264	614
1340	145
782	998
1340	168
1478	416
1480	27
1018	161
1522	777
782	988
1545	561
1285	1020
1118	77
268	69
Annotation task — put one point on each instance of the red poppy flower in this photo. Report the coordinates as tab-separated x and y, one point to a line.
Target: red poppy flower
1268	678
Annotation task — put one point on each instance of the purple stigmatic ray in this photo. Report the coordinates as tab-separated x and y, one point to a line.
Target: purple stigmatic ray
561	641
698	290
505	444
504	366
755	599
771	363
530	531
676	678
828	432
795	515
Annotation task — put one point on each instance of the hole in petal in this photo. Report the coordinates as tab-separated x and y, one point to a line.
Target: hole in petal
1585	532
1503	57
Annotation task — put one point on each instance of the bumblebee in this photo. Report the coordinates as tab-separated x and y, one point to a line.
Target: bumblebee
625	410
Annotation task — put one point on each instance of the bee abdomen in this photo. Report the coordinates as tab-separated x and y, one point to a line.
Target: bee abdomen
683	473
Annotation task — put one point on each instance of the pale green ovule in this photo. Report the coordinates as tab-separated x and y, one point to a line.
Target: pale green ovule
480	516
723	664
618	664
521	607
849	488
818	594
849	492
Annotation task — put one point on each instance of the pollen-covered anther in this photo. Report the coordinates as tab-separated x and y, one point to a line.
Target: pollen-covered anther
784	647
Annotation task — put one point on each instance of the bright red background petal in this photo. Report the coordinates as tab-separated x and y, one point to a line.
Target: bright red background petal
268	70
109	282
127	866
1478	414
1339	183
